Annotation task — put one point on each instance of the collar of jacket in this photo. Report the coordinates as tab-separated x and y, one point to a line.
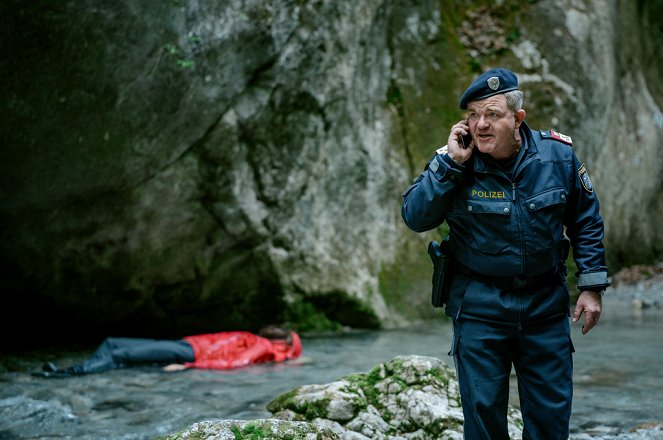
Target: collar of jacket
529	151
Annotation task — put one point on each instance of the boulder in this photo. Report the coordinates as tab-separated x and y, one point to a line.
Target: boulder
408	397
268	429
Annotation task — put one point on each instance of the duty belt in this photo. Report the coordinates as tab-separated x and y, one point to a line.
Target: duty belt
511	283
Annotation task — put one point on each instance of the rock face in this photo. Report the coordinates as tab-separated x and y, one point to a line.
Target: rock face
189	167
409	397
198	167
613	106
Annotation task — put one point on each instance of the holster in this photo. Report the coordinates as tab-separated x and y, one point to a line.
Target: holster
442	271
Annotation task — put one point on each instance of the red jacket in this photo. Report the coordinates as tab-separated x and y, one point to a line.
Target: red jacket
226	350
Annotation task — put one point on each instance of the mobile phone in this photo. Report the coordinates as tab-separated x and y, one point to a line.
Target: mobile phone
465	140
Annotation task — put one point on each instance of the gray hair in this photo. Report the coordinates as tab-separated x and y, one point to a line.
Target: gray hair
514	100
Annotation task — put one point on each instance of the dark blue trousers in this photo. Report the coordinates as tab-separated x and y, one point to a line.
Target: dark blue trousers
121	352
541	355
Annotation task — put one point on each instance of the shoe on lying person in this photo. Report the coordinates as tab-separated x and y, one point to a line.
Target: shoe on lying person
74	370
49	367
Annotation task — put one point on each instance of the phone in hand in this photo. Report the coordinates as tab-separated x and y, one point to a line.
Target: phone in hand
465	140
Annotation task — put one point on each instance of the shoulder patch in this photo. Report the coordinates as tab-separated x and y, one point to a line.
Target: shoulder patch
584	179
552	134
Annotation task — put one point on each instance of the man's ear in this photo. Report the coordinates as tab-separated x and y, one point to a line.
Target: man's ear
520	117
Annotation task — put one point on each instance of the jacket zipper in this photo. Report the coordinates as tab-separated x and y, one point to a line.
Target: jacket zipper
516	207
513	188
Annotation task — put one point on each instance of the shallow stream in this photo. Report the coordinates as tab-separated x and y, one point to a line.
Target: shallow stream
618	383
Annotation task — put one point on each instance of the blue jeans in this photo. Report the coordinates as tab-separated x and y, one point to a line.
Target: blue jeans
121	352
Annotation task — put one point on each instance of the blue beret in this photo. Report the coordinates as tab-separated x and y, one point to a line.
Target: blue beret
493	82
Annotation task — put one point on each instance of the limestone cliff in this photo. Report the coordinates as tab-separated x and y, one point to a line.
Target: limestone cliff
189	166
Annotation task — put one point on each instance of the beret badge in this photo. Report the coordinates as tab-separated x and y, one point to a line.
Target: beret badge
493	82
490	83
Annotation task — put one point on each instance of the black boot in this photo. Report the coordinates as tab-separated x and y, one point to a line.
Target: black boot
53	372
49	367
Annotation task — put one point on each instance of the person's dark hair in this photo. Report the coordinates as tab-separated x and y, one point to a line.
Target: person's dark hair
276	332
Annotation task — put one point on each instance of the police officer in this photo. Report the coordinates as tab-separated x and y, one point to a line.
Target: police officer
507	196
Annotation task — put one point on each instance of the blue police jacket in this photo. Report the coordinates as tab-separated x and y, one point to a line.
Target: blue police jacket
513	224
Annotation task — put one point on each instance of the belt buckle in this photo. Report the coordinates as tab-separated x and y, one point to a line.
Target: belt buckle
520	282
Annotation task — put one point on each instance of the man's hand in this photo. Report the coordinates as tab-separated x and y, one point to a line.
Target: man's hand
456	150
174	367
588	303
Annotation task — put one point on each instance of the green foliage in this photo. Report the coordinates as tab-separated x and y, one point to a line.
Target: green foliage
177	54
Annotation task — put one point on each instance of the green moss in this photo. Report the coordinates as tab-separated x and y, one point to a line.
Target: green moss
372	396
359	404
252	432
283	401
305	317
329	311
307	410
236	432
374	376
314	410
439	374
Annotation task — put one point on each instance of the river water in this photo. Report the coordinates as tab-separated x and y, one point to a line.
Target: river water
618	382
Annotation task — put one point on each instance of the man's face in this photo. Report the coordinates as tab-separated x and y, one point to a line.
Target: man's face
493	126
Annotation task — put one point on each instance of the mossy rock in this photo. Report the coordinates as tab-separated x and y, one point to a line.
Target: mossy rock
408	396
263	429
